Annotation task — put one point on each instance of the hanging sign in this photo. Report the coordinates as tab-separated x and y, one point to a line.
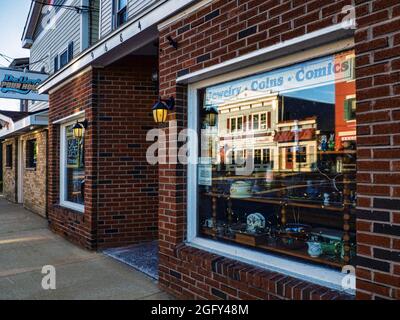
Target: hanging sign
17	84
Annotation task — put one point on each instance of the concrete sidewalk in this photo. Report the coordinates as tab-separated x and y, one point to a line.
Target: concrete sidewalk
26	245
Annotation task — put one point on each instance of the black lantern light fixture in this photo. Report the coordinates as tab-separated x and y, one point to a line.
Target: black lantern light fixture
79	128
211	116
161	108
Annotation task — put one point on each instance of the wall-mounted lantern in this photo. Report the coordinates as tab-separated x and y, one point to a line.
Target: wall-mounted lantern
79	129
161	108
211	116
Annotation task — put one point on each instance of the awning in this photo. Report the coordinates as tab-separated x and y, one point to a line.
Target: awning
289	136
15	123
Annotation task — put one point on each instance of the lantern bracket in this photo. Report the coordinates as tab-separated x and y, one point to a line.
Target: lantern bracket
84	124
170	103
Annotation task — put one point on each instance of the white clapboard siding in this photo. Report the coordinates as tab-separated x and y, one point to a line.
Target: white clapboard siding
38	105
106	17
48	43
51	42
95	22
135	7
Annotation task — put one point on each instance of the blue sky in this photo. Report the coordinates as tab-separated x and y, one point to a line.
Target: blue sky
13	14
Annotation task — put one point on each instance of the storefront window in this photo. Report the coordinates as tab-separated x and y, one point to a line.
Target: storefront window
73	169
9	161
297	196
31	153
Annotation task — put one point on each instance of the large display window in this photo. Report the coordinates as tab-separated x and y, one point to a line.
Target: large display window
277	168
72	169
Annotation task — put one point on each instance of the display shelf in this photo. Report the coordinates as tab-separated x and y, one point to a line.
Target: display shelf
299	253
290	203
338	152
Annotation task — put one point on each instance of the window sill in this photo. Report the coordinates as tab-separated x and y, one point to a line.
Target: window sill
30	169
316	274
73	206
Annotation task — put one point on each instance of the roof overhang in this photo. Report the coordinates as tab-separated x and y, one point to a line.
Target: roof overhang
132	36
25	125
30	24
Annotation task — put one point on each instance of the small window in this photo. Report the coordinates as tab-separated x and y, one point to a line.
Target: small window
31	154
350	109
9	150
256	122
121	12
233	124
240	123
257	156
301	155
64	58
263	121
266	156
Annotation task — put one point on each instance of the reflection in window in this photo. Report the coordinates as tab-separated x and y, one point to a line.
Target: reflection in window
75	171
299	197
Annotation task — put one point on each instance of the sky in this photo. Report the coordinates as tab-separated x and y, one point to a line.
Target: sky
13	14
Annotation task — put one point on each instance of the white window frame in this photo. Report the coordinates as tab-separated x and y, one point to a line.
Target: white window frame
259	114
63	166
236	124
306	271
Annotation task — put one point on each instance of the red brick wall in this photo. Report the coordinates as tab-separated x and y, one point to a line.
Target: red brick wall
128	185
120	191
73	97
224	30
378	117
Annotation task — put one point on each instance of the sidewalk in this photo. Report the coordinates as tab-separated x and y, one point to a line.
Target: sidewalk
26	245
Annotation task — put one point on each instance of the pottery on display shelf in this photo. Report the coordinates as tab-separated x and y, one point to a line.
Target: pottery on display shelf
241	189
255	221
314	249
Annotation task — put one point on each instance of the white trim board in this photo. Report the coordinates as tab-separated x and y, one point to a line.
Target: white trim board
302	270
308	41
38	119
71	117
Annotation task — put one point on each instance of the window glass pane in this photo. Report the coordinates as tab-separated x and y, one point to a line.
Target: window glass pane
75	171
31	153
121	4
266	156
256	119
9	161
233	124
295	193
64	59
240	123
263	121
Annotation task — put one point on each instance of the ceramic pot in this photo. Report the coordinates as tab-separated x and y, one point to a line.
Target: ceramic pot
241	189
314	249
